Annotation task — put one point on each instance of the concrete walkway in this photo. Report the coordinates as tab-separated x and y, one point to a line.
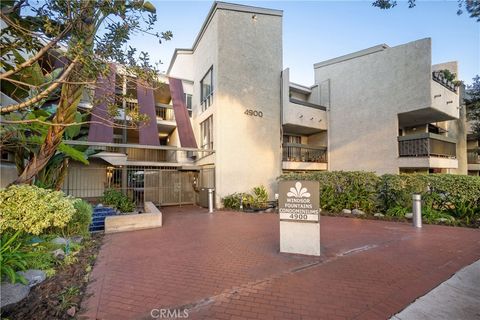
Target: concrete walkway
457	298
227	265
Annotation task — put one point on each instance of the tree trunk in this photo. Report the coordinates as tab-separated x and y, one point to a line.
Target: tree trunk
70	97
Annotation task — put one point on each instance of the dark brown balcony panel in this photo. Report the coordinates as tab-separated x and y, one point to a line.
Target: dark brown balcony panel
427	145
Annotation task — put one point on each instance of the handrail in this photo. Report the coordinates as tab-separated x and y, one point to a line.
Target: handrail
129	145
426	135
304	146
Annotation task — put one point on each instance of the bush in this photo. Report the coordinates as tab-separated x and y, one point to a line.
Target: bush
343	189
446	198
81	219
118	200
258	199
33	210
233	201
11	258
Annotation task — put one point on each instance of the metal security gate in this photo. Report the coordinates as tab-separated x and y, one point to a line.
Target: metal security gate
161	185
169	187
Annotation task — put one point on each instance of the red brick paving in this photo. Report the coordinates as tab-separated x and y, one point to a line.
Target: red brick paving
227	266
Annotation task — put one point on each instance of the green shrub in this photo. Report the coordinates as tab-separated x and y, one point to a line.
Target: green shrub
11	258
233	201
118	200
257	199
33	210
81	219
343	189
260	197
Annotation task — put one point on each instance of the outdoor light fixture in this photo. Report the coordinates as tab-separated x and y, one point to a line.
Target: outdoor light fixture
437	96
254	17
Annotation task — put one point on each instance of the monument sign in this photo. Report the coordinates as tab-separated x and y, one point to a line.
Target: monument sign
299	211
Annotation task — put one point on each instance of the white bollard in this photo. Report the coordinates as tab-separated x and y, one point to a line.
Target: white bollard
210	200
417	210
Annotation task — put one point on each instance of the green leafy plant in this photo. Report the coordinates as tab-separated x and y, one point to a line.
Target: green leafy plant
81	219
397	211
34	210
118	200
260	197
67	297
233	201
12	259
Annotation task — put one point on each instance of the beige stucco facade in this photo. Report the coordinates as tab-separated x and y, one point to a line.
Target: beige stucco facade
247	147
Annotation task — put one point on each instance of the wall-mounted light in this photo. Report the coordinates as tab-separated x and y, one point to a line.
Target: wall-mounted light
450	101
254	17
437	96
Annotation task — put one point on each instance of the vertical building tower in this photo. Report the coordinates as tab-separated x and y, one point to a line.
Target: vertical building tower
235	64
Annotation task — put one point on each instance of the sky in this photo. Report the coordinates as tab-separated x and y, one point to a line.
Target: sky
315	31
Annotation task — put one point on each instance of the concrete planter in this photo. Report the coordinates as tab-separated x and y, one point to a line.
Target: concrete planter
152	218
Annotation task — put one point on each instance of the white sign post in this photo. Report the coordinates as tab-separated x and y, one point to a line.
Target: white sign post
299	210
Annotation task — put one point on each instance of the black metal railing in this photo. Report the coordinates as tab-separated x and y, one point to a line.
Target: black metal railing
304	153
427	145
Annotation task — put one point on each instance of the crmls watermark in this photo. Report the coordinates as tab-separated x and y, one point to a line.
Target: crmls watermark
169	314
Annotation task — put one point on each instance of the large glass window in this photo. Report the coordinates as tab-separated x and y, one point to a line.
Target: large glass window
206	89
206	132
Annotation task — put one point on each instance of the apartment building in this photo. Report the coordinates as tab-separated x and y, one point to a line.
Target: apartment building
227	116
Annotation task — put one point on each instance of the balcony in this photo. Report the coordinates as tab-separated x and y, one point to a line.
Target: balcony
304	117
473	159
119	154
427	150
443	104
304	157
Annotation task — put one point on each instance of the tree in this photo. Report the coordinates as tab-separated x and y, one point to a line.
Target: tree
471	6
472	101
81	37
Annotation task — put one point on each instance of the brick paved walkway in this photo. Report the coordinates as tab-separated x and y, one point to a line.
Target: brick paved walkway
227	266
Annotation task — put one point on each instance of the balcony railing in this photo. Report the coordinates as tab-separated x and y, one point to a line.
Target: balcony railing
473	156
427	145
164	113
304	153
144	153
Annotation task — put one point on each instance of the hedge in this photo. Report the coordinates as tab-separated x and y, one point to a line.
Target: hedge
445	196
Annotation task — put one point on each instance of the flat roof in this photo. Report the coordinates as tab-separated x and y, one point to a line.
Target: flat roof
219	5
352	55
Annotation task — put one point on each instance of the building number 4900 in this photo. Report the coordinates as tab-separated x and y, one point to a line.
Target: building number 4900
254	113
297	216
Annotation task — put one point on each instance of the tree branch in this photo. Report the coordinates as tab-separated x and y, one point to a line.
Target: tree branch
39	54
41	95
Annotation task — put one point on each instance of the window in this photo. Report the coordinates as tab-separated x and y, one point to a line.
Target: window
206	132
188	101
206	89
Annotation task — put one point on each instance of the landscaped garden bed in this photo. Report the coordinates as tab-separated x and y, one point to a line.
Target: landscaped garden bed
60	295
46	252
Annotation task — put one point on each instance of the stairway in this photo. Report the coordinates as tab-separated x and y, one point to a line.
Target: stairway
98	218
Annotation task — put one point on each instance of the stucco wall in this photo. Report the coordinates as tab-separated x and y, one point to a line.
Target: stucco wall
249	69
366	94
